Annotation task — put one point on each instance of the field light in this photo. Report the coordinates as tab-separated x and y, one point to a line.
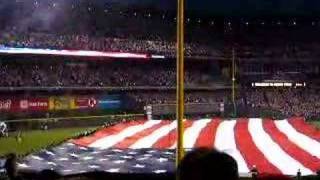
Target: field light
79	53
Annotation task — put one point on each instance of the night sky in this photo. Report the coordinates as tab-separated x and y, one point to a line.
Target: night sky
209	7
250	7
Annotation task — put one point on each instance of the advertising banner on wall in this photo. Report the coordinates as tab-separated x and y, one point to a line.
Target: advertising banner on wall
24	104
34	104
84	103
60	103
6	104
109	102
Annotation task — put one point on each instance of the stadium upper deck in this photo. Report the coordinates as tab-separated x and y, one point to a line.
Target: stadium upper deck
130	29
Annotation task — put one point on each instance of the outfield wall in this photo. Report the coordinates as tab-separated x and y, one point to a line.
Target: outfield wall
57	103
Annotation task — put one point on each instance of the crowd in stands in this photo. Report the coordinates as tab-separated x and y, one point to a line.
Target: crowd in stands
290	102
287	101
97	75
158	46
158	97
51	24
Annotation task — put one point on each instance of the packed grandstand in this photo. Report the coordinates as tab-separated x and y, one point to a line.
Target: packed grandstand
97	95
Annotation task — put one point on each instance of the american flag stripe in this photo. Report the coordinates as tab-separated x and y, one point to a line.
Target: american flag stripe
169	139
109	141
289	147
308	144
304	128
225	141
275	147
191	134
251	153
272	150
147	142
86	141
208	134
129	141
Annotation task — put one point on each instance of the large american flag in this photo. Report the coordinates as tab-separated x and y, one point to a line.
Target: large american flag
147	146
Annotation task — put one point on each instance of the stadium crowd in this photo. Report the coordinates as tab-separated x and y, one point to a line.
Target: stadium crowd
98	75
151	97
283	102
157	46
290	102
250	47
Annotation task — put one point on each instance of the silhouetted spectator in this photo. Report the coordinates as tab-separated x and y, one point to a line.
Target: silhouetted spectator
208	164
48	175
11	166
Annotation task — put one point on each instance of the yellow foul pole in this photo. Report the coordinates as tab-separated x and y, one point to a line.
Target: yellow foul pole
234	83
233	77
180	80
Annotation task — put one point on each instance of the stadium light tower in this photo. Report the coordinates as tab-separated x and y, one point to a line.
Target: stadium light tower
180	80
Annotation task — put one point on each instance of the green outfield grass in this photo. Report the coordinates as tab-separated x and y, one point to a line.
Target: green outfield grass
32	141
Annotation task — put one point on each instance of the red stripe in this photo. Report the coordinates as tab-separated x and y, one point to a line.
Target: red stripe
169	140
250	152
127	142
86	141
208	134
290	148
301	126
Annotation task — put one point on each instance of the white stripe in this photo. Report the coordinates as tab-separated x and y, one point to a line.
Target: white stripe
308	144
191	134
151	139
273	152
225	141
111	140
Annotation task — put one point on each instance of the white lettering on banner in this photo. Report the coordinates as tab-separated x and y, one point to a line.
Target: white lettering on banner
38	104
25	104
108	101
5	104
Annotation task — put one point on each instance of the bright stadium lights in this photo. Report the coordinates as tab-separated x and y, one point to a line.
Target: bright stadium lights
6	50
